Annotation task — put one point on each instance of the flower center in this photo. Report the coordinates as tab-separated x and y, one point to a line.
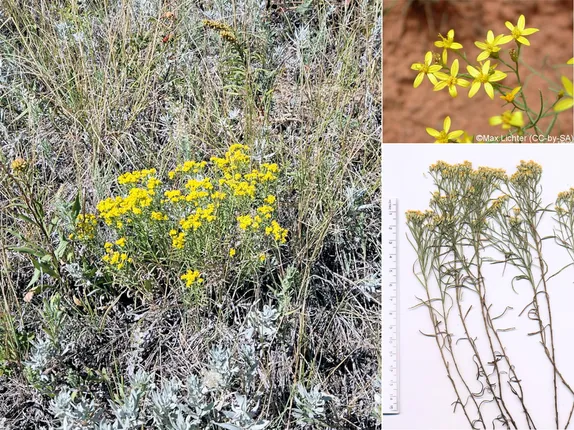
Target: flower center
516	33
452	81
442	137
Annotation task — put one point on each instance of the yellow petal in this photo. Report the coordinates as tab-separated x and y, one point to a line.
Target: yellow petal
473	72
567	84
523	40
473	89
570	61
433	132
489	36
529	31
419	79
442	76
509	25
454	134
497	76
483	56
481	45
495	120
439	86
463	83
416	66
450	34
428	58
564	104
489	90
452	91
521	22
517	120
486	68
504	39
434	69
446	124
432	78
454	68
455	45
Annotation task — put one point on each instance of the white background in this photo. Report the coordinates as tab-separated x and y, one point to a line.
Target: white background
425	394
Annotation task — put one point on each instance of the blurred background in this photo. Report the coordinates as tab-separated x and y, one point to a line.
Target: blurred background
410	28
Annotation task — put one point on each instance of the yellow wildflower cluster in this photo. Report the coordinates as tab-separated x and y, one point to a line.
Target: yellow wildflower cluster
484	74
192	277
86	225
194	221
203	205
278	232
114	258
136	177
113	209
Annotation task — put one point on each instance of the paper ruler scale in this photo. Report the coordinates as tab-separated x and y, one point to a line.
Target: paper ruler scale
390	310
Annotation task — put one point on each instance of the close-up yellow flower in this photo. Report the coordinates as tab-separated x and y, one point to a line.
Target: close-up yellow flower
509	97
518	31
426	68
444	136
450	80
192	277
508	119
565	102
484	76
490	45
447	43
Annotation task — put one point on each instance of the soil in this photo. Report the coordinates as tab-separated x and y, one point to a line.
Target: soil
410	28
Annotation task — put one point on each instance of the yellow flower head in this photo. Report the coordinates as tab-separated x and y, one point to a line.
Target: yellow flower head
484	75
510	96
565	102
18	166
450	80
490	45
232	252
444	136
192	277
518	31
426	68
508	119
447	43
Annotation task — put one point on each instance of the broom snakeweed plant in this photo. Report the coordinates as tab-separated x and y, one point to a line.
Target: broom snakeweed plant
441	75
479	217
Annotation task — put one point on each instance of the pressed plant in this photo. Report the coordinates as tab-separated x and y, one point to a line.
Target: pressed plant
479	217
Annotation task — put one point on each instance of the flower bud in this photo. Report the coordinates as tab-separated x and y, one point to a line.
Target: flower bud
513	55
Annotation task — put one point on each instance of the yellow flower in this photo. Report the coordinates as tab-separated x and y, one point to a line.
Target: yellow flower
270	199
191	277
86	225
565	102
447	43
444	136
490	45
244	221
262	257
484	76
121	242
518	31
508	119
425	68
232	252
510	96
450	80
18	166
465	138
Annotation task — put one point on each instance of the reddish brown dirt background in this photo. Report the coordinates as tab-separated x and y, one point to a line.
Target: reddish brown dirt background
410	28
